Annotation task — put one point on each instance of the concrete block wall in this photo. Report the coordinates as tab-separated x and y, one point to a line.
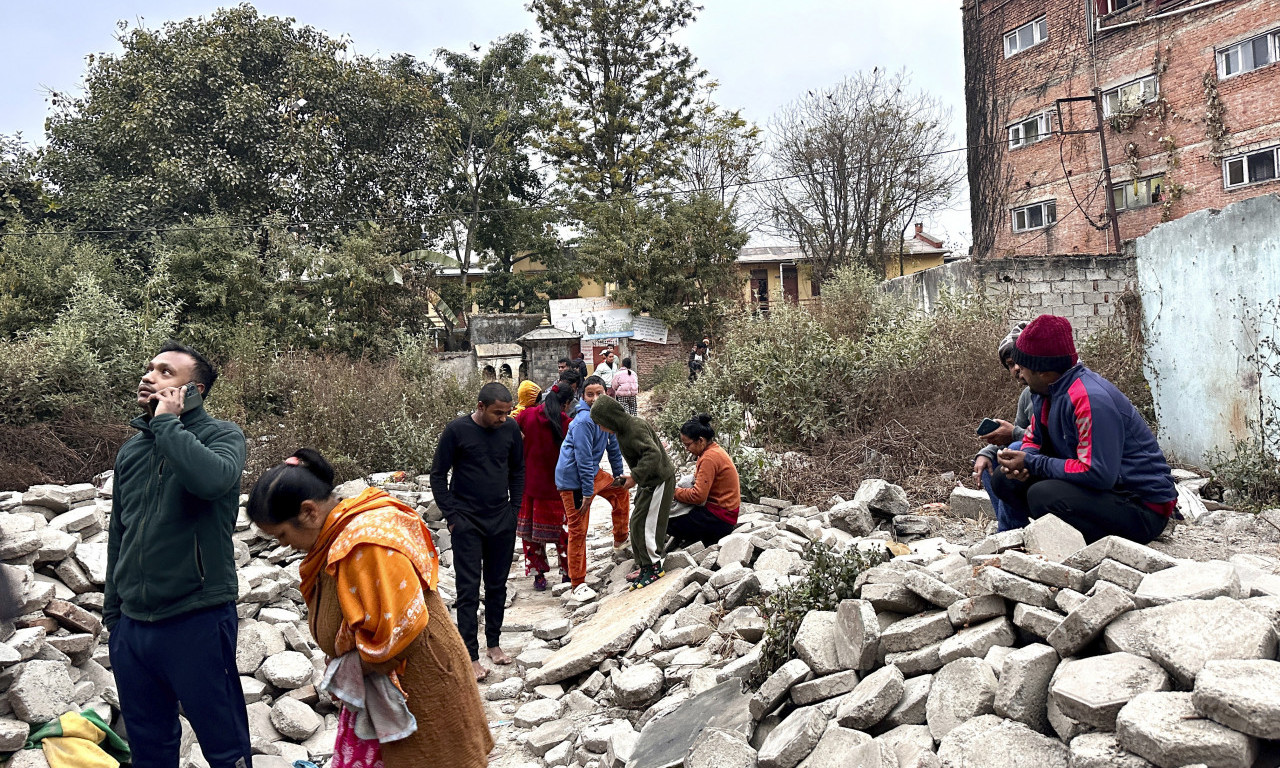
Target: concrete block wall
1084	289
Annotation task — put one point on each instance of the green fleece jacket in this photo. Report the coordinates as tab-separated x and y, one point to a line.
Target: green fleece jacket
173	509
640	444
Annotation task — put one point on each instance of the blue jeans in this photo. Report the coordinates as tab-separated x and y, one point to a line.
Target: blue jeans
1007	518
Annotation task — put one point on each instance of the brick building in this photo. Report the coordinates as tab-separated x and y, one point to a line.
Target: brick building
1190	116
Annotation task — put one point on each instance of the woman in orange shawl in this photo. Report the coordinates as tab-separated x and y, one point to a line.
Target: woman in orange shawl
369	579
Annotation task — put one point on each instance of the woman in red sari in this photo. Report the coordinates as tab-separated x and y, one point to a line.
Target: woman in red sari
541	520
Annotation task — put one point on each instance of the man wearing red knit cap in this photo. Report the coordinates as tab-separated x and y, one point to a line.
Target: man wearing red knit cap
1088	457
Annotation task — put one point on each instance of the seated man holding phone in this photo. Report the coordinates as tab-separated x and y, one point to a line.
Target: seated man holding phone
1088	457
999	433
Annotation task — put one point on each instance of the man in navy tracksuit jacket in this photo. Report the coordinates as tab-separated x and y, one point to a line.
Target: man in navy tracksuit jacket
1088	457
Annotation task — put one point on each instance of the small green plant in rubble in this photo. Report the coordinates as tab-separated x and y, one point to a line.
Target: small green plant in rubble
830	578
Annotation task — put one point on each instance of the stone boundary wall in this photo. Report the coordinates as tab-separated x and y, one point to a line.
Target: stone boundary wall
1085	289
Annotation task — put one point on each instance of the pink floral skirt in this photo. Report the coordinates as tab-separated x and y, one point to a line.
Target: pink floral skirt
350	751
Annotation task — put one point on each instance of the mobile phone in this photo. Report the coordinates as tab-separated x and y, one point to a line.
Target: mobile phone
988	426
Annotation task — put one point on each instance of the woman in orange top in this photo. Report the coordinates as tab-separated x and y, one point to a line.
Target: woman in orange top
716	494
369	579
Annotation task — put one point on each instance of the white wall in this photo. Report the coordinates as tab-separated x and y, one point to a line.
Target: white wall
1210	286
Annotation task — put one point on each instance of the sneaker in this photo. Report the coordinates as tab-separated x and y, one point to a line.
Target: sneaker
582	593
540	582
648	575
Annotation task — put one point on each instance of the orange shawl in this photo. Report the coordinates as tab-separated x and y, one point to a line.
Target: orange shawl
381	555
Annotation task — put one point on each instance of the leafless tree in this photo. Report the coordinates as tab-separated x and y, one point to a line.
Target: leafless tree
852	163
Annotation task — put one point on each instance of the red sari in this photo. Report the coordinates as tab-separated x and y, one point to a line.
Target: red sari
541	521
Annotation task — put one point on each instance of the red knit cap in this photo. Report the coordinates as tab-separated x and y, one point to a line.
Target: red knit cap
1046	344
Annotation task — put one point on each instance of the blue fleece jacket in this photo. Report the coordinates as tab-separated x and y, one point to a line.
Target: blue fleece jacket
1111	447
580	453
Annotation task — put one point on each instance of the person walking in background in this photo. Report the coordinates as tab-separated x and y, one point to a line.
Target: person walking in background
580	364
1088	456
697	360
654	477
716	494
579	479
370	582
542	515
626	387
606	371
1007	434
171	573
526	397
477	477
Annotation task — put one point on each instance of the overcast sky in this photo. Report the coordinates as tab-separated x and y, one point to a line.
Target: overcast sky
764	53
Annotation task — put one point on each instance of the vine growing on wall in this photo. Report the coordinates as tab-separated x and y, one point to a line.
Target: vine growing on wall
1215	112
1170	190
1158	108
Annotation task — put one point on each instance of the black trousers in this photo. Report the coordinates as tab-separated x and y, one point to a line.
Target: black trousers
1093	513
697	525
482	549
188	659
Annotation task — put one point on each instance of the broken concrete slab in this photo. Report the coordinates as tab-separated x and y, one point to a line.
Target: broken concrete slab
1052	538
972	610
1090	619
840	748
1102	750
664	742
1243	695
1016	588
910	709
1036	621
857	636
816	642
872	699
1182	636
970	504
1023	691
1092	690
916	632
1121	550
615	626
961	691
1189	581
793	739
1165	729
932	589
777	685
823	688
977	640
988	740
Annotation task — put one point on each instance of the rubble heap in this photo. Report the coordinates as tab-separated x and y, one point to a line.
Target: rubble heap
1025	648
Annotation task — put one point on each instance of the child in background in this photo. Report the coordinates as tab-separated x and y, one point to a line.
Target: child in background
655	479
626	386
541	521
579	479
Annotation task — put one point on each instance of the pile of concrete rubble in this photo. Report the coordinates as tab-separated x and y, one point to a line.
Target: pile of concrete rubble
1026	648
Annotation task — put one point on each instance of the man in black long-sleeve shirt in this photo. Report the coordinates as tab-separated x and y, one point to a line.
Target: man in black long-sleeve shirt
481	502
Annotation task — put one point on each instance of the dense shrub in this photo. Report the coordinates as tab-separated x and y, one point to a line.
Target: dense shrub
830	577
863	385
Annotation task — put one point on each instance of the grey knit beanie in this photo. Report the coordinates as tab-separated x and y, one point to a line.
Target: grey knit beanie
1005	350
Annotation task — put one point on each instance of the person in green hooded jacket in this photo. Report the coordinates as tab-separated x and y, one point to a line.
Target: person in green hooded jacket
654	477
171	572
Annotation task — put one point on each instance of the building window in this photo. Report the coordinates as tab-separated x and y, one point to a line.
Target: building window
1029	131
1248	55
1250	168
1107	7
1035	216
1026	36
1129	97
1137	193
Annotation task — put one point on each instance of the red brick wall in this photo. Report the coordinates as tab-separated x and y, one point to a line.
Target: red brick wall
647	357
1072	62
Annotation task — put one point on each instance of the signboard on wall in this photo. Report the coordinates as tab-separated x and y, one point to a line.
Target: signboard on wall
594	318
649	329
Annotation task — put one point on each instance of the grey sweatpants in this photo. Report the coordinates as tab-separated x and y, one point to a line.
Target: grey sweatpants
649	515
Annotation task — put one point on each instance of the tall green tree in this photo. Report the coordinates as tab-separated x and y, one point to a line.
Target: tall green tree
494	111
630	90
245	115
23	195
673	256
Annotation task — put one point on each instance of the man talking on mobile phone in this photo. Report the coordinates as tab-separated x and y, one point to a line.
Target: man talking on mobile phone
171	581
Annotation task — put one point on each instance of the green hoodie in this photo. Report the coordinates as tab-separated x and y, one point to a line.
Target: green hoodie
173	509
640	444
